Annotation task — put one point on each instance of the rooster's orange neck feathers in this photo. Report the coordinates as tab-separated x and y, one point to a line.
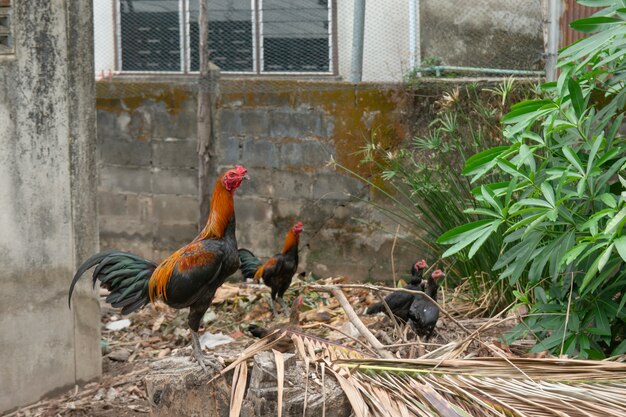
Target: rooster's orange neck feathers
222	209
291	240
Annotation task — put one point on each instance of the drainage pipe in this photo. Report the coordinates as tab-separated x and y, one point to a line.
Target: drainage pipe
439	68
358	31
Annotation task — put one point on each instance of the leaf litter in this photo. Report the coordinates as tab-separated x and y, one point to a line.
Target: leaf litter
327	340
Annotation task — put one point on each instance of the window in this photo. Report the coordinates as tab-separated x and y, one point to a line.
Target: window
295	36
231	40
245	36
6	40
150	35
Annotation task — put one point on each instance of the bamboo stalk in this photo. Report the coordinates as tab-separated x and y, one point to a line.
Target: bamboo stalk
354	319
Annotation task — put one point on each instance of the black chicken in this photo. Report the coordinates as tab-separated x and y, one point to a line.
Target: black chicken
400	302
423	313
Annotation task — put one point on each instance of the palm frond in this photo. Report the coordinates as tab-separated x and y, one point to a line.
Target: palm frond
493	387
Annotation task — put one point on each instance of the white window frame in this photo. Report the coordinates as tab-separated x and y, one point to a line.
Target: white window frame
257	43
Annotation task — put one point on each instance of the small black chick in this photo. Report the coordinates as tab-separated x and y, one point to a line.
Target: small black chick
399	302
423	313
284	345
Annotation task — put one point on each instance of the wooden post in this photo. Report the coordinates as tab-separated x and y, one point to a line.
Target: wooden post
207	91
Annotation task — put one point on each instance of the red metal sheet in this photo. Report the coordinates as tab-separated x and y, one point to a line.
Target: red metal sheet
573	11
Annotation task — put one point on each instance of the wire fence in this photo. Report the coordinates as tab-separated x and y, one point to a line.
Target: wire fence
324	39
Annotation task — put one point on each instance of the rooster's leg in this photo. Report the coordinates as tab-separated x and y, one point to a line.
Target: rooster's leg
285	307
195	315
199	356
197	351
272	307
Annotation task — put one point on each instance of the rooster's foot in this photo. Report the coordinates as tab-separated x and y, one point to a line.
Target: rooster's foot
199	357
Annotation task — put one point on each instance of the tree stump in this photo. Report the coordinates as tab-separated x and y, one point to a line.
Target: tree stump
178	387
262	393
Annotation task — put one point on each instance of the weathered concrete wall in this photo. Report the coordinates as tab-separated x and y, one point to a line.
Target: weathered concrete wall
486	33
284	132
47	201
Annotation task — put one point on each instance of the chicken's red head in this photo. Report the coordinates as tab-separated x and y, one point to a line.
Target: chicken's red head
421	265
437	274
297	228
233	178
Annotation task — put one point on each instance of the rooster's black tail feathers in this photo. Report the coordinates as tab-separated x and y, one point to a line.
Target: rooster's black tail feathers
249	263
125	275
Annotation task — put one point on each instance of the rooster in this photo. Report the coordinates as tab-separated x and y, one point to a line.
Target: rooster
423	313
187	278
278	271
400	302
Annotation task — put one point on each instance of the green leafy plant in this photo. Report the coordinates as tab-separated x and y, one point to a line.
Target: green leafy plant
562	207
422	188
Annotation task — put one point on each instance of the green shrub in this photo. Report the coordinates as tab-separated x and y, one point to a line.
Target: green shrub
422	180
562	207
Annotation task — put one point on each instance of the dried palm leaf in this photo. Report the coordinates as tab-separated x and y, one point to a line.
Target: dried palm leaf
238	389
497	387
280	378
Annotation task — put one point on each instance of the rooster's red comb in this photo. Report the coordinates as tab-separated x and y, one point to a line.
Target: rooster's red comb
421	264
240	170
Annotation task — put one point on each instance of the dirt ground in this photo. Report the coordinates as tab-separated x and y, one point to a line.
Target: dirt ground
128	348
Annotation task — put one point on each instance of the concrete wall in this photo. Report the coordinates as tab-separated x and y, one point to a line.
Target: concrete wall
284	132
47	203
486	33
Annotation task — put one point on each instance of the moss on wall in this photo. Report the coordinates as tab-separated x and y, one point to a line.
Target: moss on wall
355	110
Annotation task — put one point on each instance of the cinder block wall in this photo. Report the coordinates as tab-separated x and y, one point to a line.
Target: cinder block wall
284	132
148	185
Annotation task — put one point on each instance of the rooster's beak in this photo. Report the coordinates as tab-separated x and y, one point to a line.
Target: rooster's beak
246	177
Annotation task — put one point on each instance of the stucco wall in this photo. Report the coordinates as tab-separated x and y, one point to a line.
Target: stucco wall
487	33
284	132
47	203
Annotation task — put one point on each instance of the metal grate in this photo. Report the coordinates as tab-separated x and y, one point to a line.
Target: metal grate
295	36
6	38
232	42
245	36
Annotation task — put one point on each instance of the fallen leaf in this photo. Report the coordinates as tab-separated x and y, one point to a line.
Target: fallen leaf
210	340
120	355
111	394
237	334
158	322
225	292
209	316
163	353
118	325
